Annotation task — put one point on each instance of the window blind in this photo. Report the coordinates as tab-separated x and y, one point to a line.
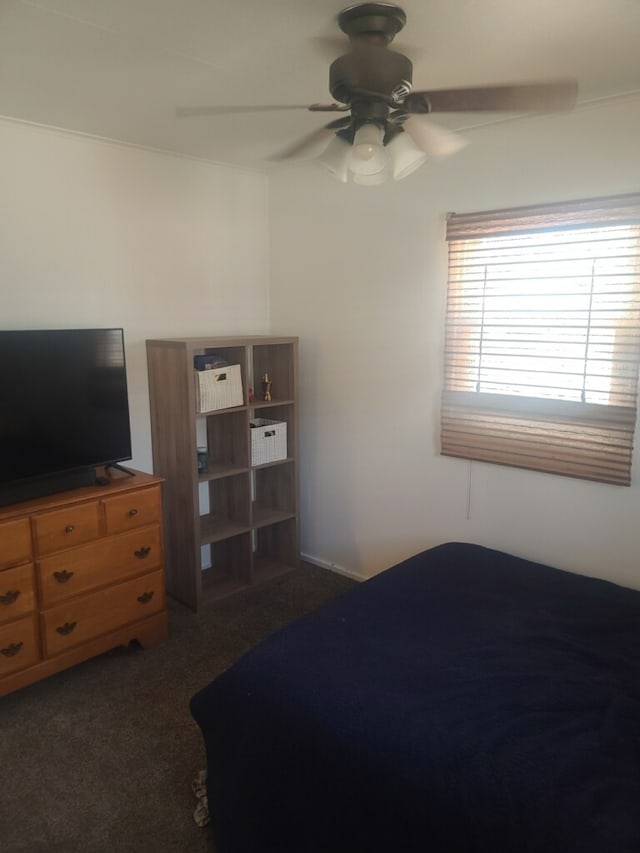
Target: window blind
542	339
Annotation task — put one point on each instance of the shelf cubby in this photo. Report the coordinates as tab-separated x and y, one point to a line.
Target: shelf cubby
274	359
275	550
230	566
279	412
274	493
226	445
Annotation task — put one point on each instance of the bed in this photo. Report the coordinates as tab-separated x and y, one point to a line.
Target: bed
463	701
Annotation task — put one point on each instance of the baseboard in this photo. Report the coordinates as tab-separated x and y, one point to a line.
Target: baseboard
331	567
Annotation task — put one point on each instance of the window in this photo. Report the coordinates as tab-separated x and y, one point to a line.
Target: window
542	339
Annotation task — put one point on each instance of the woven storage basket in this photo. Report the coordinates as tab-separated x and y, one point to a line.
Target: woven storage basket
219	388
268	441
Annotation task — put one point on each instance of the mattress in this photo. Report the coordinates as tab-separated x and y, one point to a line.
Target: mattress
463	700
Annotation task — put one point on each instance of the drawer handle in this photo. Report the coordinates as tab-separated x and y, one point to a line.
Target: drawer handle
67	628
145	598
10	596
143	552
69	528
63	576
12	650
133	512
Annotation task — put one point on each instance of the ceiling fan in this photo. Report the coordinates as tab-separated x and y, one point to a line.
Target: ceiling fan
385	127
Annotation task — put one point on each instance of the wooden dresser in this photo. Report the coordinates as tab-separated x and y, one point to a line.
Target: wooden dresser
80	573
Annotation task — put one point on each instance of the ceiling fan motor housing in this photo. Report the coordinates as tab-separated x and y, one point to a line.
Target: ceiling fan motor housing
370	66
382	71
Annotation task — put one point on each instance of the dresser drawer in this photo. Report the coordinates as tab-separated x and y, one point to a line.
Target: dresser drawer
64	528
135	509
87	567
16	592
18	645
91	615
15	542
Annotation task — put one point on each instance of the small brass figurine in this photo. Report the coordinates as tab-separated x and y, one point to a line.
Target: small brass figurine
266	387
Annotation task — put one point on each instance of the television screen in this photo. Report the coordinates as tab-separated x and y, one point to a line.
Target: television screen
63	402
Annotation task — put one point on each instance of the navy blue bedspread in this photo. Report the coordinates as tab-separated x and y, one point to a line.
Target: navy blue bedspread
463	701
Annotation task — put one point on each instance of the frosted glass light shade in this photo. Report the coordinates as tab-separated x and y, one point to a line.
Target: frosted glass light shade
371	180
335	158
405	156
368	156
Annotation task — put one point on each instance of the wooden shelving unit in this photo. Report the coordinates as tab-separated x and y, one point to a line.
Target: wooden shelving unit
237	524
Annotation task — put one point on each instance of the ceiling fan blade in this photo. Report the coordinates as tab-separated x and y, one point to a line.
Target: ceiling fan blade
432	138
312	143
187	112
328	108
555	95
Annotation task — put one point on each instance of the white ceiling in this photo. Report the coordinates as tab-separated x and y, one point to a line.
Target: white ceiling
120	68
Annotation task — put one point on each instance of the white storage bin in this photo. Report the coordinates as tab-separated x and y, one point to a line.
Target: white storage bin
218	388
268	441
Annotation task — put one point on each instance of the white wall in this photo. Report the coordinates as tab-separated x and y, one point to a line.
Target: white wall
98	234
360	274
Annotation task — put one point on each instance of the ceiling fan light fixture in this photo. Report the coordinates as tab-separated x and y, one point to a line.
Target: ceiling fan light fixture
405	156
335	158
368	155
371	180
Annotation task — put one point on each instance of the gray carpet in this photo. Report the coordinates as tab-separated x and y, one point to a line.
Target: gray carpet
99	759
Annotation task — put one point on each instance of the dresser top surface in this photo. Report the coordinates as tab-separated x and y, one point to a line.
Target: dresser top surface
119	482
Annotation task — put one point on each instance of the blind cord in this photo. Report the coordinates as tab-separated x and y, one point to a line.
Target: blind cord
583	395
481	342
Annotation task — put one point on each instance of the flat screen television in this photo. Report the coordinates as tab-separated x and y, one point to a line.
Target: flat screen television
64	409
